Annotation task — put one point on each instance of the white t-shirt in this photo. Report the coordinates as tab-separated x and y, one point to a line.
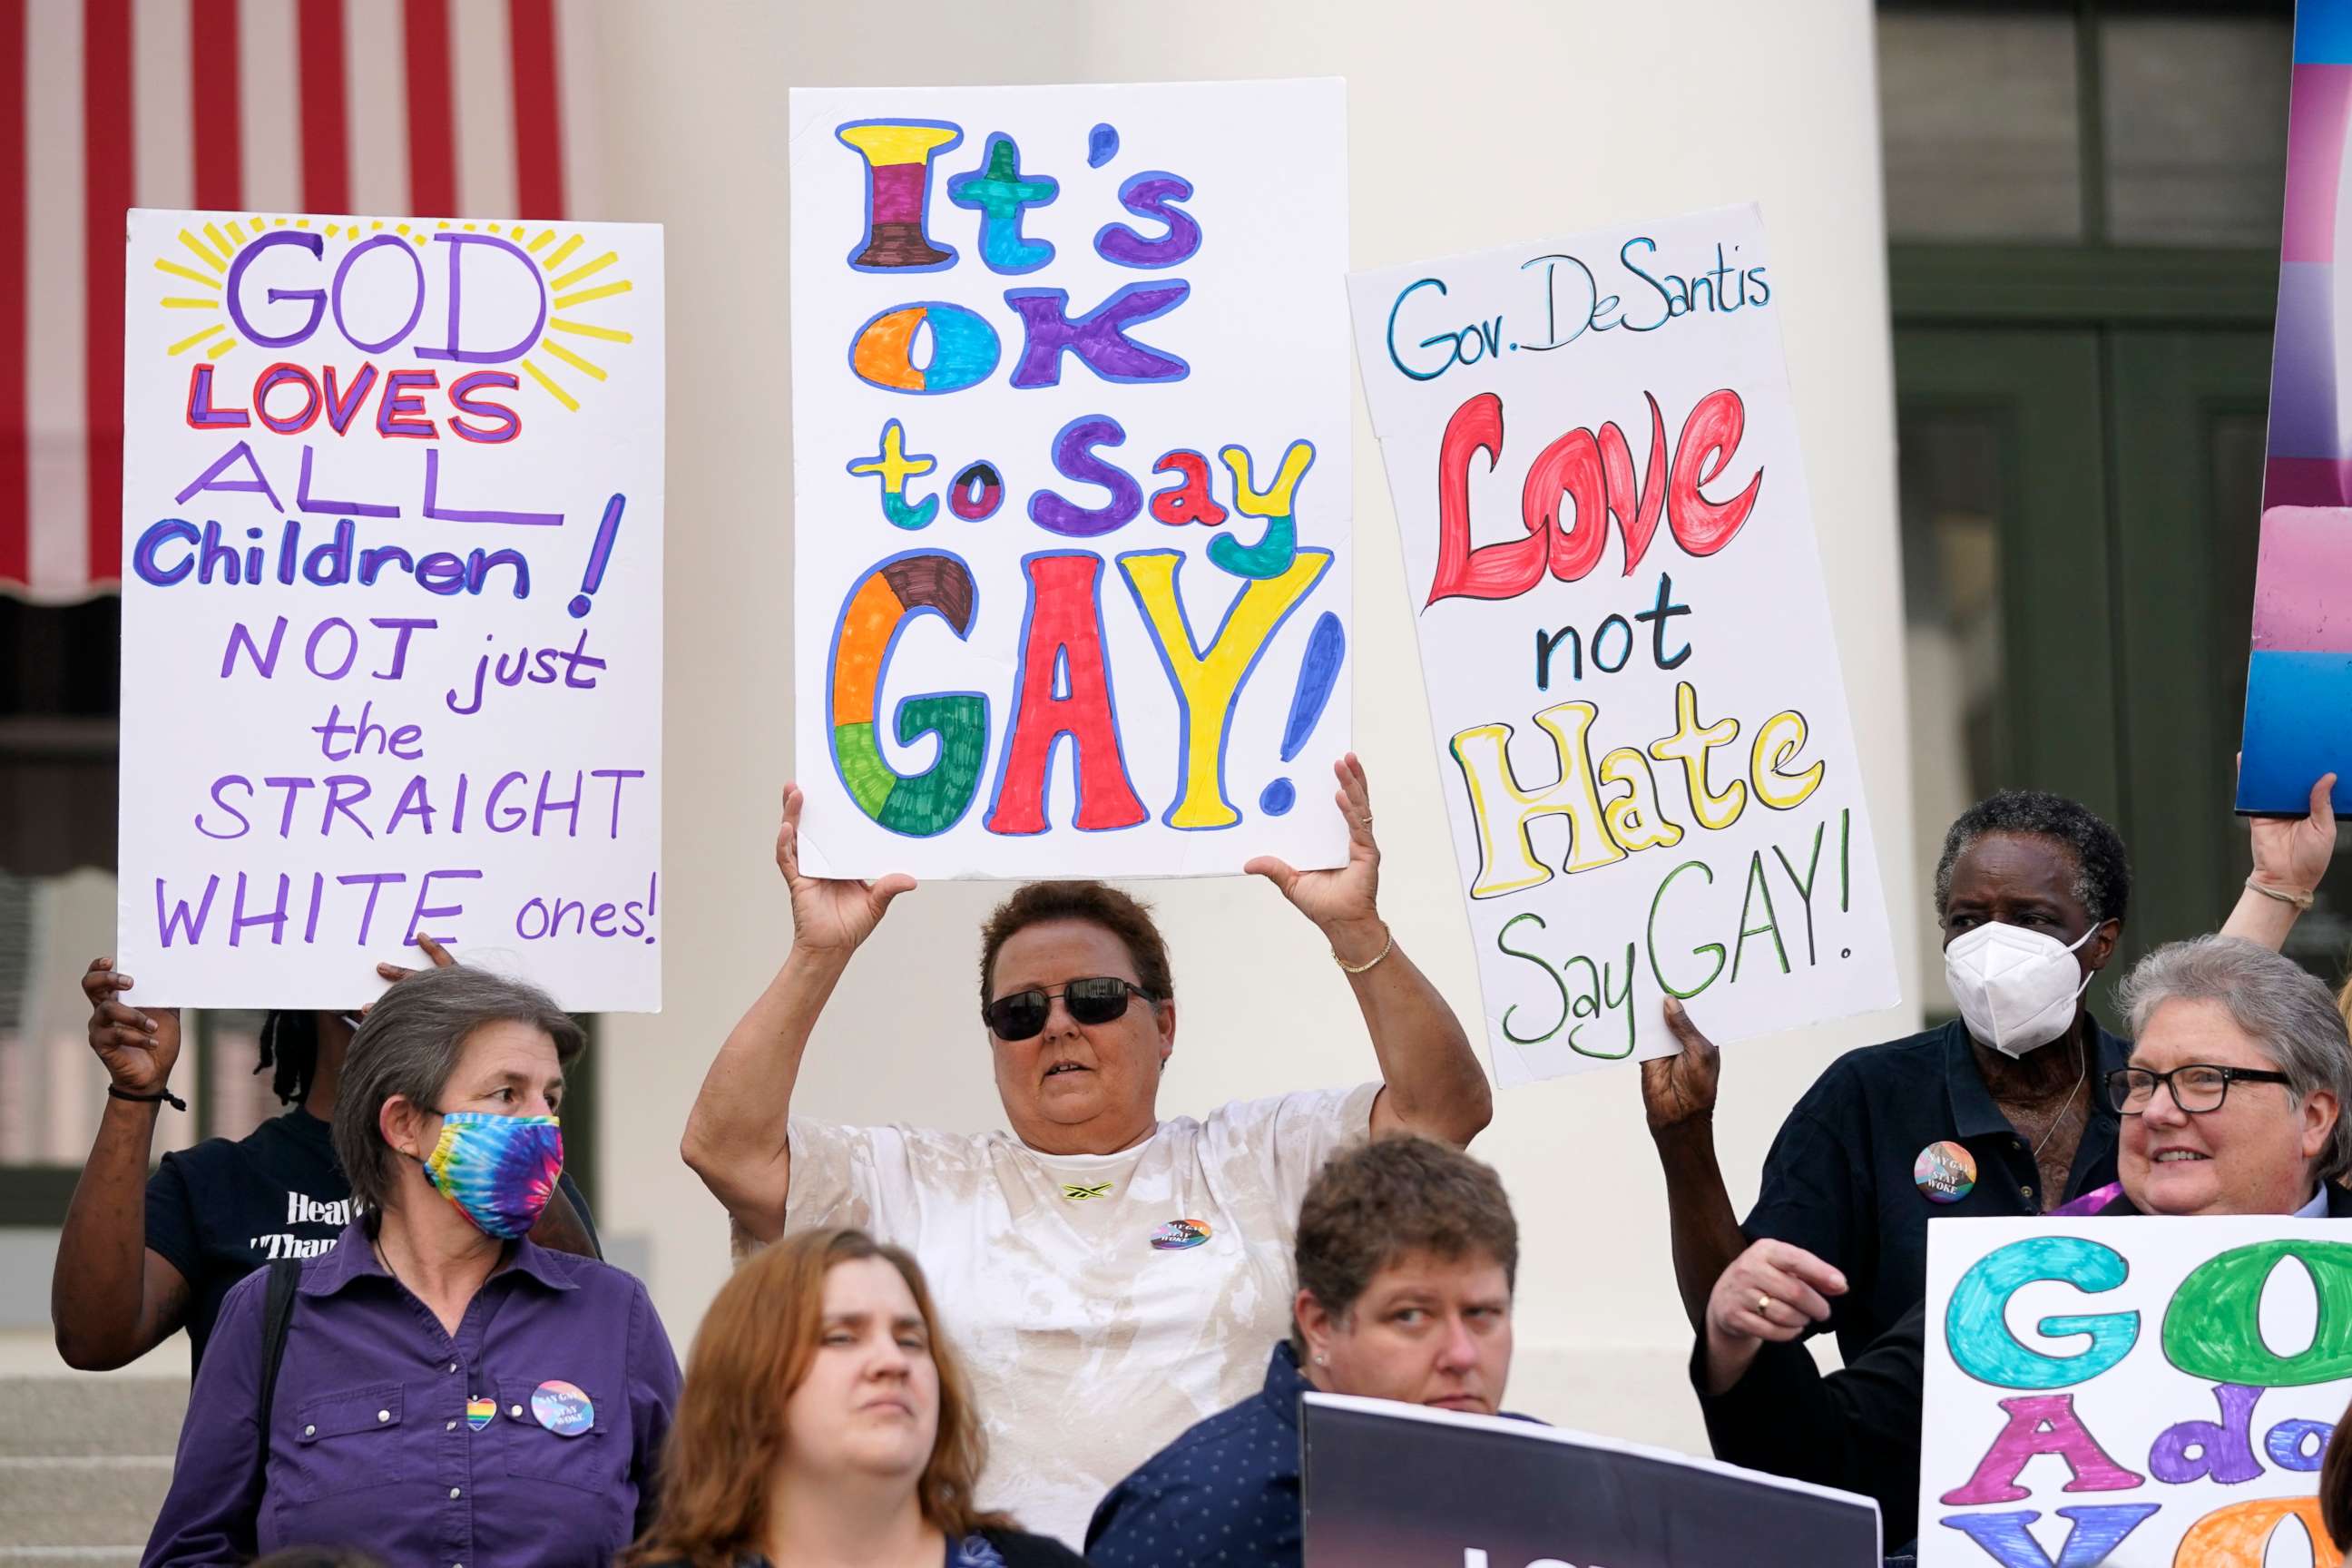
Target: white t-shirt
1093	1329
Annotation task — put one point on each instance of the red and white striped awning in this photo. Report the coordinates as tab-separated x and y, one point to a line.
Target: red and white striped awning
427	107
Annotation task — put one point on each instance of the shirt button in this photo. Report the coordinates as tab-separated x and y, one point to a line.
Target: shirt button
453	1367
449	1427
455	1491
515	1411
383	1416
310	1431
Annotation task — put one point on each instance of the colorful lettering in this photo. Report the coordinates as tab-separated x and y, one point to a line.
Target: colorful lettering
998	192
1065	689
894	468
2212	1330
1272	554
2042	1424
1190	500
1503	809
895	592
2239	1536
1209	681
1153	195
1976	1329
964	349
1098	337
1074	458
898	155
2093	1534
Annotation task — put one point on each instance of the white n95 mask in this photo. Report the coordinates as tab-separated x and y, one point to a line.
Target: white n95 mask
2016	988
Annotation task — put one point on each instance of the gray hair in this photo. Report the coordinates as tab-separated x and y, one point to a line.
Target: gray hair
2278	1005
410	1044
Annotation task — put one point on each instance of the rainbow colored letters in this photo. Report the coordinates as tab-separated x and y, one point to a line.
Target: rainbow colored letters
1054	298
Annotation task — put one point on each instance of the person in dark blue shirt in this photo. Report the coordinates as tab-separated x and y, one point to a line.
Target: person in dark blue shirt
1995	1113
1406	1257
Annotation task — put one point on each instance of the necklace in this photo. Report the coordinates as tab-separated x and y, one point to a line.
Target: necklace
2064	1106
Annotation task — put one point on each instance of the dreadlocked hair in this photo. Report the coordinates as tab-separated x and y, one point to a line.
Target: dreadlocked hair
289	1042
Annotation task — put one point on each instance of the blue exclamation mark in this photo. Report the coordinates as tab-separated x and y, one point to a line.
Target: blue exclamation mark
1326	647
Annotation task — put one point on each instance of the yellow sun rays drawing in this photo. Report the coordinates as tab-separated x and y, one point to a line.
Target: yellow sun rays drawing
569	287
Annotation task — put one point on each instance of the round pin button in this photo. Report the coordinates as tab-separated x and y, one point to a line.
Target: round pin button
1180	1235
562	1408
1944	1173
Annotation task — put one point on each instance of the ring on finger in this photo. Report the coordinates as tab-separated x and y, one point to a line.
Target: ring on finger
1763	1305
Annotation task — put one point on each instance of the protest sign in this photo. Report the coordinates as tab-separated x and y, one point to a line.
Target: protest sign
2131	1391
392	545
1071	492
1388	1485
1610	555
2299	679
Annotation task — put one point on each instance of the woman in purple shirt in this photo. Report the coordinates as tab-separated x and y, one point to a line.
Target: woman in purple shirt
438	1388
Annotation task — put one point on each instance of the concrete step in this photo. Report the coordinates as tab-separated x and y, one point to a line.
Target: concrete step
85	1460
107	1502
90	1414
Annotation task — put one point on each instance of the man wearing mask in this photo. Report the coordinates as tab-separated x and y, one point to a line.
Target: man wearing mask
1996	1113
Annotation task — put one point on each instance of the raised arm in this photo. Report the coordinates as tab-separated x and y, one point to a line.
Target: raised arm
1434	1084
1678	1097
2291	854
736	1135
112	1300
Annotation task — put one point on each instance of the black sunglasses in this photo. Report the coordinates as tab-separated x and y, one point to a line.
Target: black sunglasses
1096	1000
2197	1089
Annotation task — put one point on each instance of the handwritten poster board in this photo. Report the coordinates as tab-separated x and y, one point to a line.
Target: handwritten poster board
2139	1392
1631	670
1389	1485
2299	680
1071	495
392	546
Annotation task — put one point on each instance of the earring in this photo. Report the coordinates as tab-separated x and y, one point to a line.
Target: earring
1322	1360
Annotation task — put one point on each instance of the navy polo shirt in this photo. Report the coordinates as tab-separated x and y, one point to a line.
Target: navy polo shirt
1839	1181
1226	1492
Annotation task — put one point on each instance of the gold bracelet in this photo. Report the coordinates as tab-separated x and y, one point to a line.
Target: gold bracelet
2300	900
1386	948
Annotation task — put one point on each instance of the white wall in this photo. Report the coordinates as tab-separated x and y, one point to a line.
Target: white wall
1471	123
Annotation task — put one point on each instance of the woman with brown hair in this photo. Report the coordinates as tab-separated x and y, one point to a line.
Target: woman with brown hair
825	1422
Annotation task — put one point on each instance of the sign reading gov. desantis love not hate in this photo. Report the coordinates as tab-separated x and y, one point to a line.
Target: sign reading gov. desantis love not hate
1632	675
391	605
2139	1391
1071	492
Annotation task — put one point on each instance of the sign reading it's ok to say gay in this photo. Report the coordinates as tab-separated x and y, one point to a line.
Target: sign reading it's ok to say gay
1071	501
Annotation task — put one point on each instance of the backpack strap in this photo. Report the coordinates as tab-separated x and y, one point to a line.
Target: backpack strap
276	1314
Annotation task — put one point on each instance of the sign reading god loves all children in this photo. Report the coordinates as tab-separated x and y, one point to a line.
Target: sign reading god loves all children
392	605
1629	659
2136	1392
1071	501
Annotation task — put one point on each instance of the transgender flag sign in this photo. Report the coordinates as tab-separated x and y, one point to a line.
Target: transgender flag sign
2299	683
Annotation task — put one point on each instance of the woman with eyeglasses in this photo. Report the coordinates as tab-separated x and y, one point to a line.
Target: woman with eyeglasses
1112	1277
2232	1104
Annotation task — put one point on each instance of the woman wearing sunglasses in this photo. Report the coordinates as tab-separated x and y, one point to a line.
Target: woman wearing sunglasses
1112	1277
2232	1104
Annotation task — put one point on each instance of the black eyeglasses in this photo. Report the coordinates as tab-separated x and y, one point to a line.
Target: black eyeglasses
1096	1000
2197	1089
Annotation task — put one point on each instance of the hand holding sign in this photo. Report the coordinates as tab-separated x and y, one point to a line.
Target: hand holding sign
831	916
1344	903
137	1048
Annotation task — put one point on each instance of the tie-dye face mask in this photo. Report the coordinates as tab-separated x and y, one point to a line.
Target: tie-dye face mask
499	1170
